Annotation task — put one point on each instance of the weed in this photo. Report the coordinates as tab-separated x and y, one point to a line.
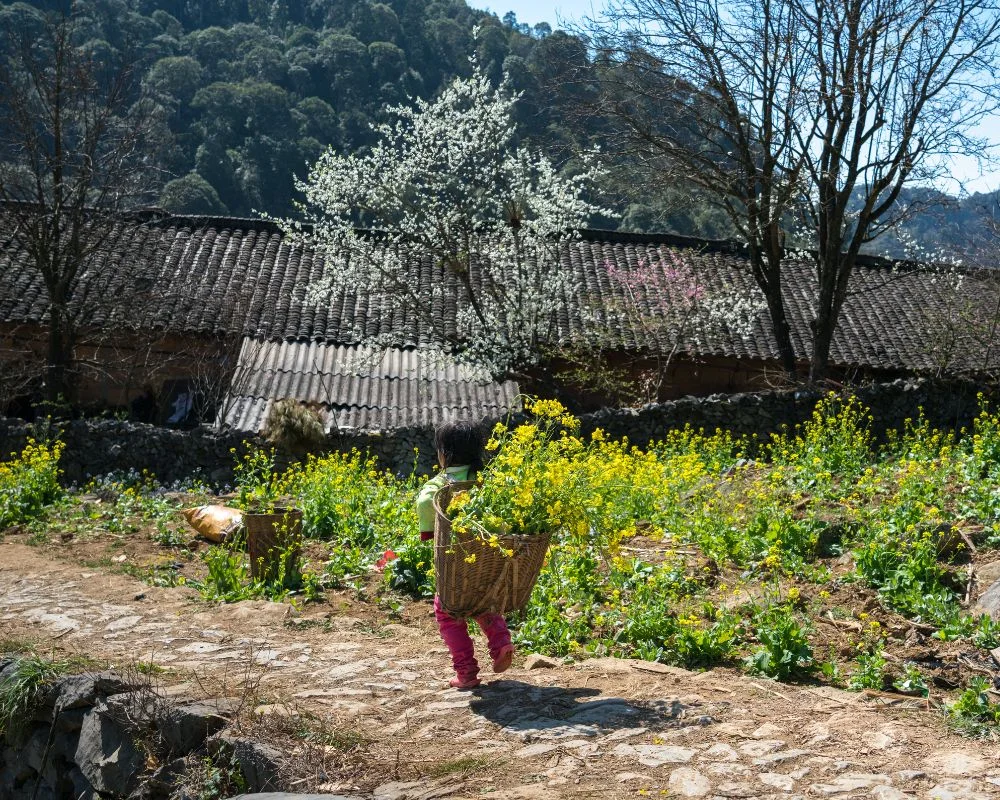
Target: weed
216	776
912	681
870	672
973	713
38	538
229	576
784	651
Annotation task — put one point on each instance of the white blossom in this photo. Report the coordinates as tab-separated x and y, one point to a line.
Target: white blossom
446	185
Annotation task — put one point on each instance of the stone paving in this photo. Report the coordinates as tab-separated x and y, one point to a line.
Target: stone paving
607	727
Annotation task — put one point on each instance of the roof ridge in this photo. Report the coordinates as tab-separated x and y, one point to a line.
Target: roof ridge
157	217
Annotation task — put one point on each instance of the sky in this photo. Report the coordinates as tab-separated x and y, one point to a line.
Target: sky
964	172
534	12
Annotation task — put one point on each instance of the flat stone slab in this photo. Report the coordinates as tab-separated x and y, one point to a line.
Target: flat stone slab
654	755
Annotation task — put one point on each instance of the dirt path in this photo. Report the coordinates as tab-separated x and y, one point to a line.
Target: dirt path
604	727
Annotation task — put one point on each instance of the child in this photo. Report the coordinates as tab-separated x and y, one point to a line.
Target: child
460	455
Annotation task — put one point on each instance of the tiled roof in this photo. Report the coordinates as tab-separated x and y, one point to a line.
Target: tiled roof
358	388
214	276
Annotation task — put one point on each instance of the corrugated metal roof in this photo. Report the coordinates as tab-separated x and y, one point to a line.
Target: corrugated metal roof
359	388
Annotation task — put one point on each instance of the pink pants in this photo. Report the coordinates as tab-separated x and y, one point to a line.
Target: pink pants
455	632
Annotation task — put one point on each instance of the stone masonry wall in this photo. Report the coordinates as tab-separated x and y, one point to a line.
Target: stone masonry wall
96	447
102	736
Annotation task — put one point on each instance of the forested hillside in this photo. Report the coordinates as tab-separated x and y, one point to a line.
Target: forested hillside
248	92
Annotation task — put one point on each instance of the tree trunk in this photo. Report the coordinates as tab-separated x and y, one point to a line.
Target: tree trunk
59	356
782	335
823	328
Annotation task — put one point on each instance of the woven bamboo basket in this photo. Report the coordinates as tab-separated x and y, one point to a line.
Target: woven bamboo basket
269	537
493	582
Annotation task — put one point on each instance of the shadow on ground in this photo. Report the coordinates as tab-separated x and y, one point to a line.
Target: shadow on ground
530	712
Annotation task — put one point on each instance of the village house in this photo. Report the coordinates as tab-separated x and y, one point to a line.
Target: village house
181	319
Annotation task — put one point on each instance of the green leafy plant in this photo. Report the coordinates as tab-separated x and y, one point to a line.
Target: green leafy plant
412	569
784	650
912	681
973	713
230	578
29	482
870	672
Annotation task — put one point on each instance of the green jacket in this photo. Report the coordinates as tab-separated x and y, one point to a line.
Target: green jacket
425	498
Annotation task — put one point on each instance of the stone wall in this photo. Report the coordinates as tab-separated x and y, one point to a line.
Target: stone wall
96	447
950	405
100	735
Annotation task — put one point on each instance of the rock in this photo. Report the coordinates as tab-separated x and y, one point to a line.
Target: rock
761	748
71	721
768	731
783	783
957	764
889	793
989	601
106	754
603	712
259	611
779	757
275	710
257	761
32	750
543	728
185	727
82	790
622	733
688	782
535	661
720	751
988	574
82	691
414	790
728	769
123	623
162	783
957	790
654	755
537	749
736	790
852	782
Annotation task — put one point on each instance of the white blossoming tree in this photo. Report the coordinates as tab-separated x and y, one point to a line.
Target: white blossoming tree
448	186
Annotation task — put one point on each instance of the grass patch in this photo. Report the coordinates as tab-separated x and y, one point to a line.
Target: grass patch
24	684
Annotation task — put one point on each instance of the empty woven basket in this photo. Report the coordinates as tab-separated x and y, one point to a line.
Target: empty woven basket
272	539
492	581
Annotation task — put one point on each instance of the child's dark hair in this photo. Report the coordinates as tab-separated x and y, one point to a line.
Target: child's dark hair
460	442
